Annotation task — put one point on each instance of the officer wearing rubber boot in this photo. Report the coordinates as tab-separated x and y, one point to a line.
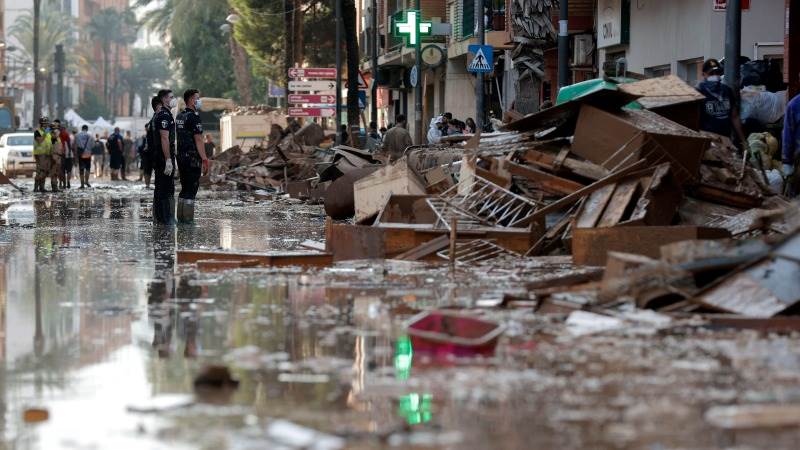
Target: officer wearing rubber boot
163	160
192	160
42	150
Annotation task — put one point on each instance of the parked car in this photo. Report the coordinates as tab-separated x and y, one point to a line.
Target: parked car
16	154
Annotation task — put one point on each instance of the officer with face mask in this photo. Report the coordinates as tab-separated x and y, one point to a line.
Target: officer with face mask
721	106
192	160
163	159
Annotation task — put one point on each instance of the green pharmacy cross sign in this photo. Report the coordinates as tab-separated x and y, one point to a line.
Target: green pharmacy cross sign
413	27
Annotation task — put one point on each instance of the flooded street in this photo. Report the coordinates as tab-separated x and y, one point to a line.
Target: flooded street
103	330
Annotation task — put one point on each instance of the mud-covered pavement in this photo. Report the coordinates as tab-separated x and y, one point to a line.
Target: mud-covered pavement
101	328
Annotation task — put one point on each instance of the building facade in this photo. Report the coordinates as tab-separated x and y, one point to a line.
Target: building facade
654	38
447	85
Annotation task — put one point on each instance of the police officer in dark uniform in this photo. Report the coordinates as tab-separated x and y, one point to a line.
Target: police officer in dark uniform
192	160
149	145
163	160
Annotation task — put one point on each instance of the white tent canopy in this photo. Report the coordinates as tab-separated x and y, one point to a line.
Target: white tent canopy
74	119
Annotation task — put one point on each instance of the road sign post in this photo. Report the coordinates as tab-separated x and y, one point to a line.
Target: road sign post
327	73
312	98
312	112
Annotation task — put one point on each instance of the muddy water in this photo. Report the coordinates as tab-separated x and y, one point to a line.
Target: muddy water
102	329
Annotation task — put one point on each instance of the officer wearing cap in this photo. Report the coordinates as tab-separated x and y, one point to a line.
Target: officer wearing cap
42	150
163	160
192	160
721	106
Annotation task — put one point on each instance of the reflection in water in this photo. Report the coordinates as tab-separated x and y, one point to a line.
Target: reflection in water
225	234
416	408
171	305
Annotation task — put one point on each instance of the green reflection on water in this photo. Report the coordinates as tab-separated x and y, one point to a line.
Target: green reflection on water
403	358
416	408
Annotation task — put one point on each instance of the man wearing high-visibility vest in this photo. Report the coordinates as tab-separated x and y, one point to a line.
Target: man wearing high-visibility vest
42	153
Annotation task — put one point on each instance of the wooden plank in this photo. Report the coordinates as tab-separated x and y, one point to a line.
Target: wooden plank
545	181
726	197
590	246
594	206
619	203
305	259
577	195
494	178
214	265
425	249
560	158
348	242
540	159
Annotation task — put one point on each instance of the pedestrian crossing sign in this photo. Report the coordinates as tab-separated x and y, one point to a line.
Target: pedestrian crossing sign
482	59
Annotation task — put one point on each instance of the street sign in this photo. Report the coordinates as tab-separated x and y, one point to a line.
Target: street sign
309	98
413	77
362	99
362	82
483	59
413	27
313	72
320	85
312	112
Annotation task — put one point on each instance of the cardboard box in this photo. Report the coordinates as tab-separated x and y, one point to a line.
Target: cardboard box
373	191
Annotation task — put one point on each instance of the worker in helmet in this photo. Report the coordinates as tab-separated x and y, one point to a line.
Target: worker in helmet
42	153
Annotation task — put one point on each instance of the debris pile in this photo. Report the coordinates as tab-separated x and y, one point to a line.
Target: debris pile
618	177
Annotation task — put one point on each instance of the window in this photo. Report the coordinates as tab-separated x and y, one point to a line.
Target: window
691	70
657	71
20	140
615	64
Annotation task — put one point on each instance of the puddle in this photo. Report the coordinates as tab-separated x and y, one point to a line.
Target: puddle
106	332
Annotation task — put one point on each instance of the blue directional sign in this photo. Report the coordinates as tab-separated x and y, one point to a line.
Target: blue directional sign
482	59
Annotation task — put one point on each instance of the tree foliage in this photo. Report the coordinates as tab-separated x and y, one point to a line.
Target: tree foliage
93	106
112	28
54	29
149	70
197	44
262	32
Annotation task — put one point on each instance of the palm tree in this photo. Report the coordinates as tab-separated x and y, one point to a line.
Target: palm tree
532	31
53	29
103	28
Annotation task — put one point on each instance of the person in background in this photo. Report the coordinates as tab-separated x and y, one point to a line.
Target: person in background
397	139
791	145
42	150
344	134
163	159
149	144
65	140
98	156
383	131
210	146
57	168
373	137
472	127
192	159
128	154
83	149
720	113
115	152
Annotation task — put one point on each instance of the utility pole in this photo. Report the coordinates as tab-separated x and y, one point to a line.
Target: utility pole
373	111
59	66
418	64
733	43
480	105
338	71
563	44
37	87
